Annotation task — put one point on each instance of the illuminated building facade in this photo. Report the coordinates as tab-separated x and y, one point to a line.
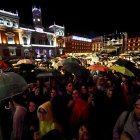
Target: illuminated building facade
133	44
97	44
77	44
9	34
19	40
116	42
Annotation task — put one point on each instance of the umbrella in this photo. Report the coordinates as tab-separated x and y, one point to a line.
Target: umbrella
124	62
122	70
72	60
11	84
128	64
137	58
50	73
77	70
56	65
99	68
5	66
71	67
83	72
26	67
25	61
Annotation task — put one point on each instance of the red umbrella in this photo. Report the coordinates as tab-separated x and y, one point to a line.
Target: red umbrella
5	66
98	67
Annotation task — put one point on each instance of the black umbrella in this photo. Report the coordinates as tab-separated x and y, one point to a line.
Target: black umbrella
76	69
128	64
26	67
49	73
72	60
124	62
83	72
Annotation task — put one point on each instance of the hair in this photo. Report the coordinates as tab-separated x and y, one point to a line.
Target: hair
68	82
18	99
132	102
128	135
52	135
34	100
88	126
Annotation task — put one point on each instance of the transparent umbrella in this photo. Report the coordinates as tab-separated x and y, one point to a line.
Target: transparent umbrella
11	84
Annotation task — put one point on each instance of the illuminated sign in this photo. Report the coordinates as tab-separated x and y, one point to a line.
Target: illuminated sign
81	39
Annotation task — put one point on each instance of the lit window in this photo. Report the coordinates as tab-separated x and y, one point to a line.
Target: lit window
1	21
12	51
24	40
8	23
15	24
11	40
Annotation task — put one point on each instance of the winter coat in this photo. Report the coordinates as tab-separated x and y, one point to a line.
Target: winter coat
130	126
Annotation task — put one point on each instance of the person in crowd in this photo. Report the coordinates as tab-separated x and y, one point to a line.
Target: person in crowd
85	132
45	90
84	92
68	102
53	135
100	83
37	95
80	111
105	106
53	94
36	135
33	122
47	121
126	91
126	136
130	125
6	118
37	84
20	131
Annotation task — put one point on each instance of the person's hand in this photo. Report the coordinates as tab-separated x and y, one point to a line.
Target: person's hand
71	103
90	99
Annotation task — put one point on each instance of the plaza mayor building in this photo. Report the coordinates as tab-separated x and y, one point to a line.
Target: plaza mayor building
19	40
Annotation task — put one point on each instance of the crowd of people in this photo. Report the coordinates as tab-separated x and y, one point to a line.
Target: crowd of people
70	107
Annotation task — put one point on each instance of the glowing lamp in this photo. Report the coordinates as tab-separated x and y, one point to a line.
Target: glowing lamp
17	42
4	41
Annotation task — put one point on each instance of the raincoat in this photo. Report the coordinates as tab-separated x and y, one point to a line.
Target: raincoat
49	122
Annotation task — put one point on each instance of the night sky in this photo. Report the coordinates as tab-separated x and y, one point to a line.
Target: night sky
85	17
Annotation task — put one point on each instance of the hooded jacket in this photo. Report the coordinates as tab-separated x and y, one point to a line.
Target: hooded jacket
49	122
